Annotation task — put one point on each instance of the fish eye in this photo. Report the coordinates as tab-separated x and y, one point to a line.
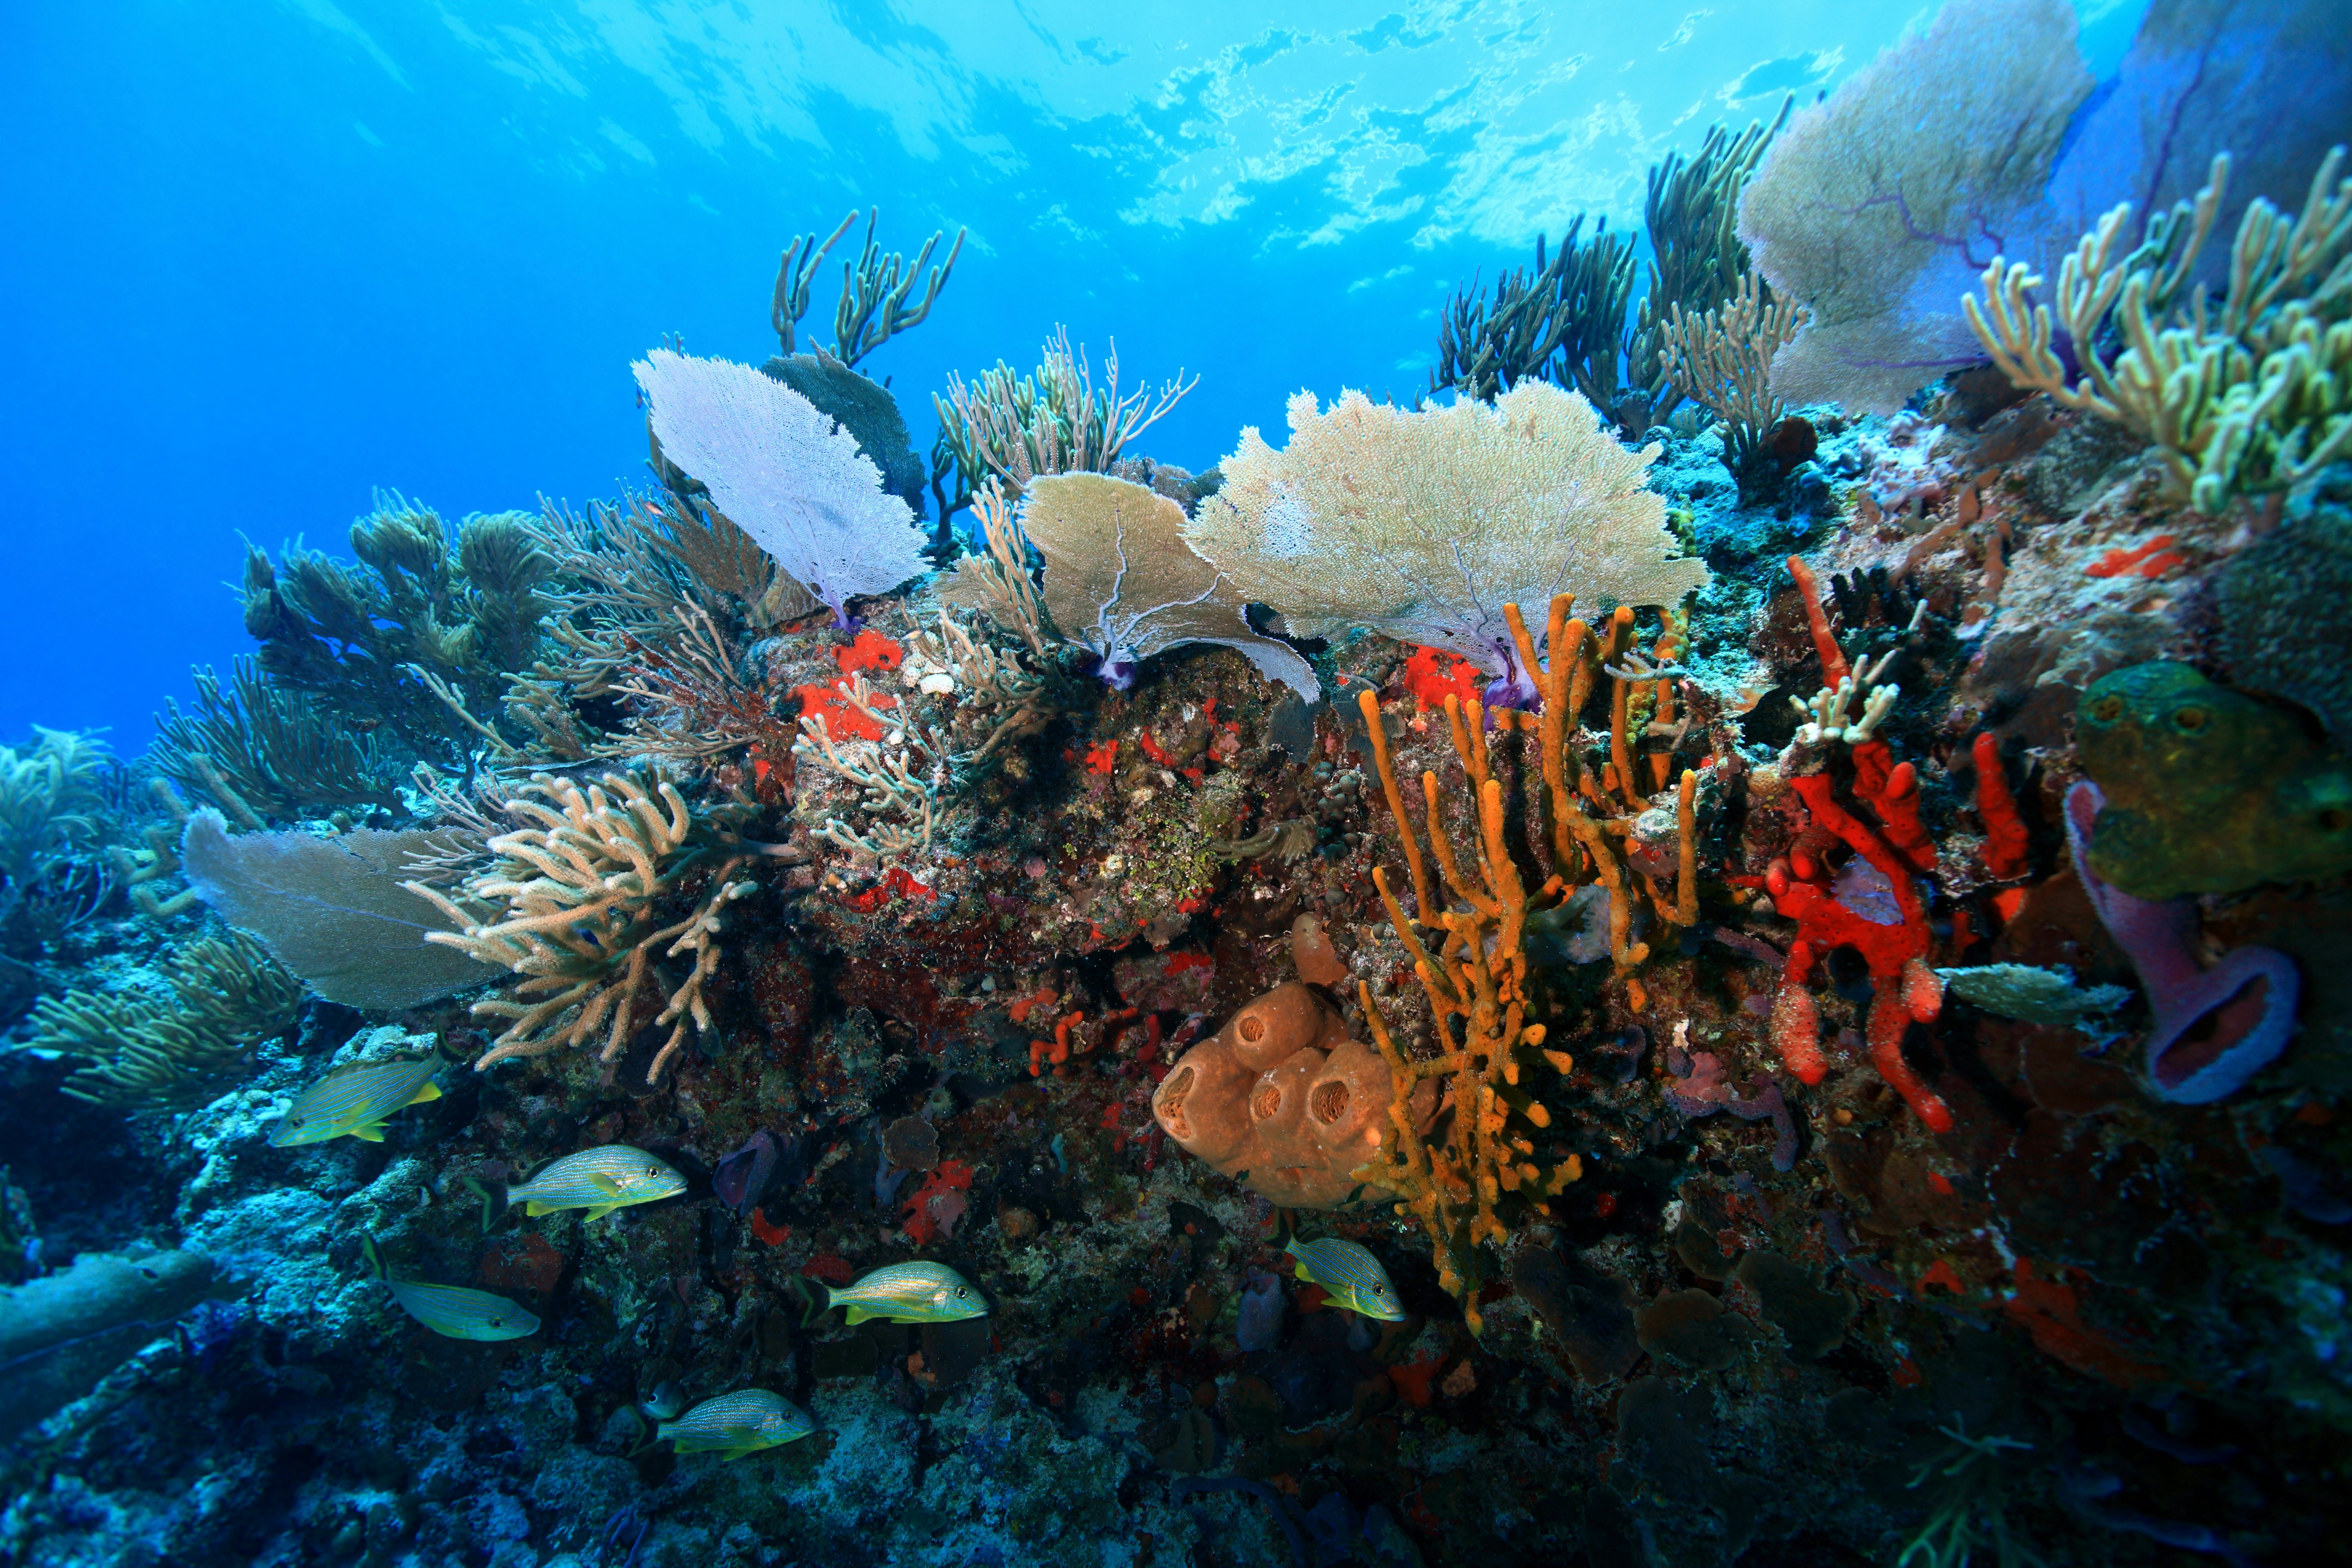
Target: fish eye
961	1293
497	1323
293	1122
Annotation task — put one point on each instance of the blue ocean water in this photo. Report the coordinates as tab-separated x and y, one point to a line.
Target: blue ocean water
260	259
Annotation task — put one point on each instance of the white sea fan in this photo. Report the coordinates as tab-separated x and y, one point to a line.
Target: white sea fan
779	469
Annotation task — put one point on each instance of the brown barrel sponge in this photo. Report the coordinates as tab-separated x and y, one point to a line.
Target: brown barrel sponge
1277	1026
1281	1100
1202	1104
1277	1108
1347	1102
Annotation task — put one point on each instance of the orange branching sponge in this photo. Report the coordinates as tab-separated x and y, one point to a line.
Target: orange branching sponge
1475	970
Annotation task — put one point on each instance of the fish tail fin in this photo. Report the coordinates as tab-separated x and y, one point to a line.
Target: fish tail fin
430	1091
492	1208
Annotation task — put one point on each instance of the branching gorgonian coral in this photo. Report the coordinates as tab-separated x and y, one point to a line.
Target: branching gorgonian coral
146	1053
587	902
1724	360
2250	396
260	752
427	603
49	798
874	289
1014	428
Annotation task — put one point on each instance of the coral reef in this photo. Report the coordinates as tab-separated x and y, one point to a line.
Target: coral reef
1838	1055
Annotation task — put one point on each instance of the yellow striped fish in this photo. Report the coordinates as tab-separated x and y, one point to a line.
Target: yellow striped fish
910	1293
598	1180
354	1101
734	1425
1351	1275
454	1309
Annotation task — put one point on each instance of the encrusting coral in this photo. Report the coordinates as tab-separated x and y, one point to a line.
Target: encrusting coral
579	898
1420	525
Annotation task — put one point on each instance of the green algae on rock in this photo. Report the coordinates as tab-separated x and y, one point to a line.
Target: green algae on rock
2209	790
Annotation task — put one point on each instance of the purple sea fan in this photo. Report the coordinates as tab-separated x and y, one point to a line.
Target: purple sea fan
781	471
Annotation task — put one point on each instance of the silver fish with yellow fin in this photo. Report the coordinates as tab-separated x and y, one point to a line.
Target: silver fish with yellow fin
910	1293
457	1310
1351	1275
598	1180
734	1425
353	1101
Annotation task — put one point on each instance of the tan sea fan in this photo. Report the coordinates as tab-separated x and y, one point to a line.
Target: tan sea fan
1423	524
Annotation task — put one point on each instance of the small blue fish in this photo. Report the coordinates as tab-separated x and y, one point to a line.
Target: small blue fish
734	1425
353	1101
1351	1275
910	1293
456	1310
598	1180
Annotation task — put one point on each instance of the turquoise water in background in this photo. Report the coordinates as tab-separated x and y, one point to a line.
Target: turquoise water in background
258	259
